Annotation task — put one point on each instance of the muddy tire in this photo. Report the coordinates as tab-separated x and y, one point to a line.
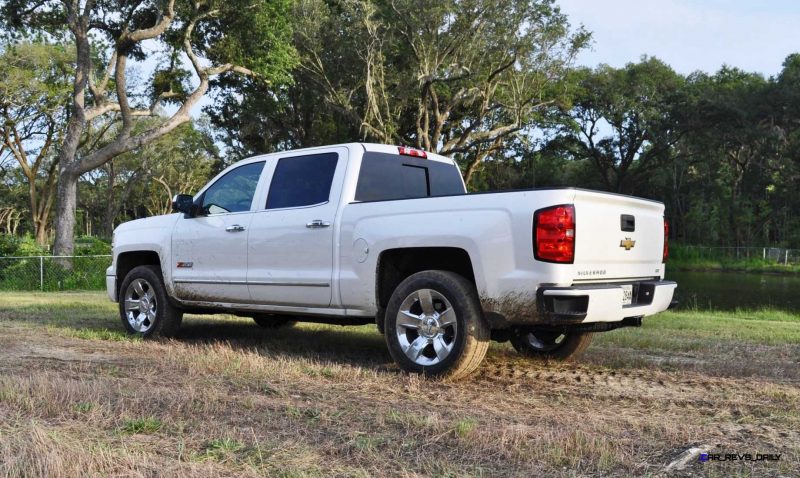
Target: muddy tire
435	326
272	321
552	345
144	307
380	320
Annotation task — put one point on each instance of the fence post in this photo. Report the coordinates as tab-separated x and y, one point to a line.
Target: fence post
41	273
786	258
765	254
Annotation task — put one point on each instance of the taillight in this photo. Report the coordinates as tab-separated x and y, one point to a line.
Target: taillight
554	234
417	153
666	241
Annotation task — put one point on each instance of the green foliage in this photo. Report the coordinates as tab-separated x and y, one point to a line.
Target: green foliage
621	121
410	72
148	425
79	273
92	246
24	245
27	246
35	75
720	149
745	260
252	34
8	245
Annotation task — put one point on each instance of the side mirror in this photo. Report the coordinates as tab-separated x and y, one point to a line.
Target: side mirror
183	203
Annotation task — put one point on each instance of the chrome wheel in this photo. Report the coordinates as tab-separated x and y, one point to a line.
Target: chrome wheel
140	305
426	327
545	341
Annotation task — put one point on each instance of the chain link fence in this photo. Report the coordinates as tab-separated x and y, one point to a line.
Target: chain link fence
775	255
54	273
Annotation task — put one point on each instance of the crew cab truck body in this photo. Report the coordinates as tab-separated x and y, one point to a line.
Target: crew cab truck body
356	233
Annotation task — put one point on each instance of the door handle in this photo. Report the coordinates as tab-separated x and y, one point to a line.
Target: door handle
235	228
318	224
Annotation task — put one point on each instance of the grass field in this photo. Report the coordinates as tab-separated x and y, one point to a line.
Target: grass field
80	398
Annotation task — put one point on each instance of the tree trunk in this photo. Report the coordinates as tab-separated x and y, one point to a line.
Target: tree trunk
41	233
111	209
66	201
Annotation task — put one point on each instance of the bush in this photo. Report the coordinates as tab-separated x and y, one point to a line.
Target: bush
91	246
27	246
8	244
27	272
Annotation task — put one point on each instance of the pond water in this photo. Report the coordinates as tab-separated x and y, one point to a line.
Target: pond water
731	290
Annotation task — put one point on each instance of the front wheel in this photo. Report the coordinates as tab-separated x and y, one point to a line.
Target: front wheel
434	325
552	345
144	306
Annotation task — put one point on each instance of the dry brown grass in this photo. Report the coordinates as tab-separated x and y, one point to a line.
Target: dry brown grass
229	399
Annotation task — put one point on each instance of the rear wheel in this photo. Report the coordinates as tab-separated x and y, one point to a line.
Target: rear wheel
552	345
272	321
434	325
144	306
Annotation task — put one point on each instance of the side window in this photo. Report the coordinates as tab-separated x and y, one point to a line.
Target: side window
302	180
234	191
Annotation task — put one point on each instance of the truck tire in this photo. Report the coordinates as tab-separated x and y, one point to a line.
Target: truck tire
273	321
552	345
380	320
435	325
144	306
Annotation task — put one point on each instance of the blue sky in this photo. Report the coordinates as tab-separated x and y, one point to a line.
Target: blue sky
689	35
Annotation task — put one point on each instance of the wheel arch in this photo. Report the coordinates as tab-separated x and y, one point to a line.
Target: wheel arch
395	265
126	261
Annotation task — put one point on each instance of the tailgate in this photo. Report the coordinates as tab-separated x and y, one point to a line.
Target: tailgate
617	237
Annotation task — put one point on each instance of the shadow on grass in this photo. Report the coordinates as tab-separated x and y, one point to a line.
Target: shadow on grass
353	345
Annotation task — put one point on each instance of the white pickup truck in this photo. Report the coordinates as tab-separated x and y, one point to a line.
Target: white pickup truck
356	233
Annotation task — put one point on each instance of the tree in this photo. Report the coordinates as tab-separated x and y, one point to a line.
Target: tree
34	93
146	179
215	38
622	121
737	133
455	77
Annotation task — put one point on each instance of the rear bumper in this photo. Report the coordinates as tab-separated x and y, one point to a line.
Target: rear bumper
602	302
582	304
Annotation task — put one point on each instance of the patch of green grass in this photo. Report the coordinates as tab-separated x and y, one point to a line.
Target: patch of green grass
414	421
222	448
692	259
147	425
690	331
465	427
310	414
269	389
7	393
84	407
367	442
101	334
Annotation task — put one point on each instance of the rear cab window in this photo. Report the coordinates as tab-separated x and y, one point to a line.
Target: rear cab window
386	176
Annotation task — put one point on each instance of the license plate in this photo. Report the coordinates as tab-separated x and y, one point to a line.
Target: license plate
627	294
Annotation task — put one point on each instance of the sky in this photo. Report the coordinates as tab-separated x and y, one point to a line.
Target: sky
689	35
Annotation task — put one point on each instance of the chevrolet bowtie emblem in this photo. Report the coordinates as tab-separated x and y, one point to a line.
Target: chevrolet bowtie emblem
627	244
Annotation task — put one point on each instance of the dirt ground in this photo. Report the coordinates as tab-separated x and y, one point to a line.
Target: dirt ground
230	399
